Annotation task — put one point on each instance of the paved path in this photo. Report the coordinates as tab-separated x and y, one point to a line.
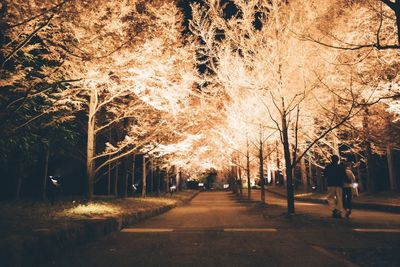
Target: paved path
218	230
360	217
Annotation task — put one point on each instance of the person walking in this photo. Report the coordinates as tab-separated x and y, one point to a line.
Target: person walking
347	190
334	176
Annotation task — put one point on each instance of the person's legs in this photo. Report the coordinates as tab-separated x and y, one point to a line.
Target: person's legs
331	198
347	195
350	200
345	198
339	199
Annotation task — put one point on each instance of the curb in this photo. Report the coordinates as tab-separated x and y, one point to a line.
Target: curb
21	251
360	205
377	206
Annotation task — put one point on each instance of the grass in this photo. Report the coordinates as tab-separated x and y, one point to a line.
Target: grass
384	197
26	217
91	209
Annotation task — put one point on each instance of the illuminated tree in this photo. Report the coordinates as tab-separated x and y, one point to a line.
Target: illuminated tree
155	72
367	35
301	73
265	57
31	72
124	56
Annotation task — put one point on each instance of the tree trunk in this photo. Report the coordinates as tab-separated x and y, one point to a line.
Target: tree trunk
133	172
303	173
45	172
370	177
248	171
278	162
109	167
310	173
126	184
158	180
289	169
261	159
109	179
320	181
240	181
126	179
167	180
359	179
90	168
391	168
151	175
273	176
335	143
179	180
144	177
233	178
368	152
116	174
91	143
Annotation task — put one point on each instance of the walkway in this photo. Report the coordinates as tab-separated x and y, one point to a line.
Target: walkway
217	229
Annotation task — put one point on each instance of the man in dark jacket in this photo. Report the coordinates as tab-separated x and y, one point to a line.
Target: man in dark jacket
334	176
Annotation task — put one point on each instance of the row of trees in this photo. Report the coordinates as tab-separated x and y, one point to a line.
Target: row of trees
221	84
305	74
100	81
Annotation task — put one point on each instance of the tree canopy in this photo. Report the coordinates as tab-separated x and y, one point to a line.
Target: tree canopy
193	83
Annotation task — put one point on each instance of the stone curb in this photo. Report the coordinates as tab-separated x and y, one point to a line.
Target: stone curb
21	251
360	205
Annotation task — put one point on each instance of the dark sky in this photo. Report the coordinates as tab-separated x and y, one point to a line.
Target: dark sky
228	6
229	9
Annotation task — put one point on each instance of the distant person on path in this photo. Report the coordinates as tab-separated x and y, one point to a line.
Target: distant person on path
347	189
334	176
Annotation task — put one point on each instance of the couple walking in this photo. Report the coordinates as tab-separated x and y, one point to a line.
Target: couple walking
340	179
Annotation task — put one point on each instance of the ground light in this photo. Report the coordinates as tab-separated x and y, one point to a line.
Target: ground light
92	209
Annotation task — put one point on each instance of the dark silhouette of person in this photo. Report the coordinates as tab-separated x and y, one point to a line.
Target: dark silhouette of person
334	176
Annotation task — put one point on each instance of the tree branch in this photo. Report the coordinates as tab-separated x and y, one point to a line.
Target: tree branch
27	39
352	47
52	9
